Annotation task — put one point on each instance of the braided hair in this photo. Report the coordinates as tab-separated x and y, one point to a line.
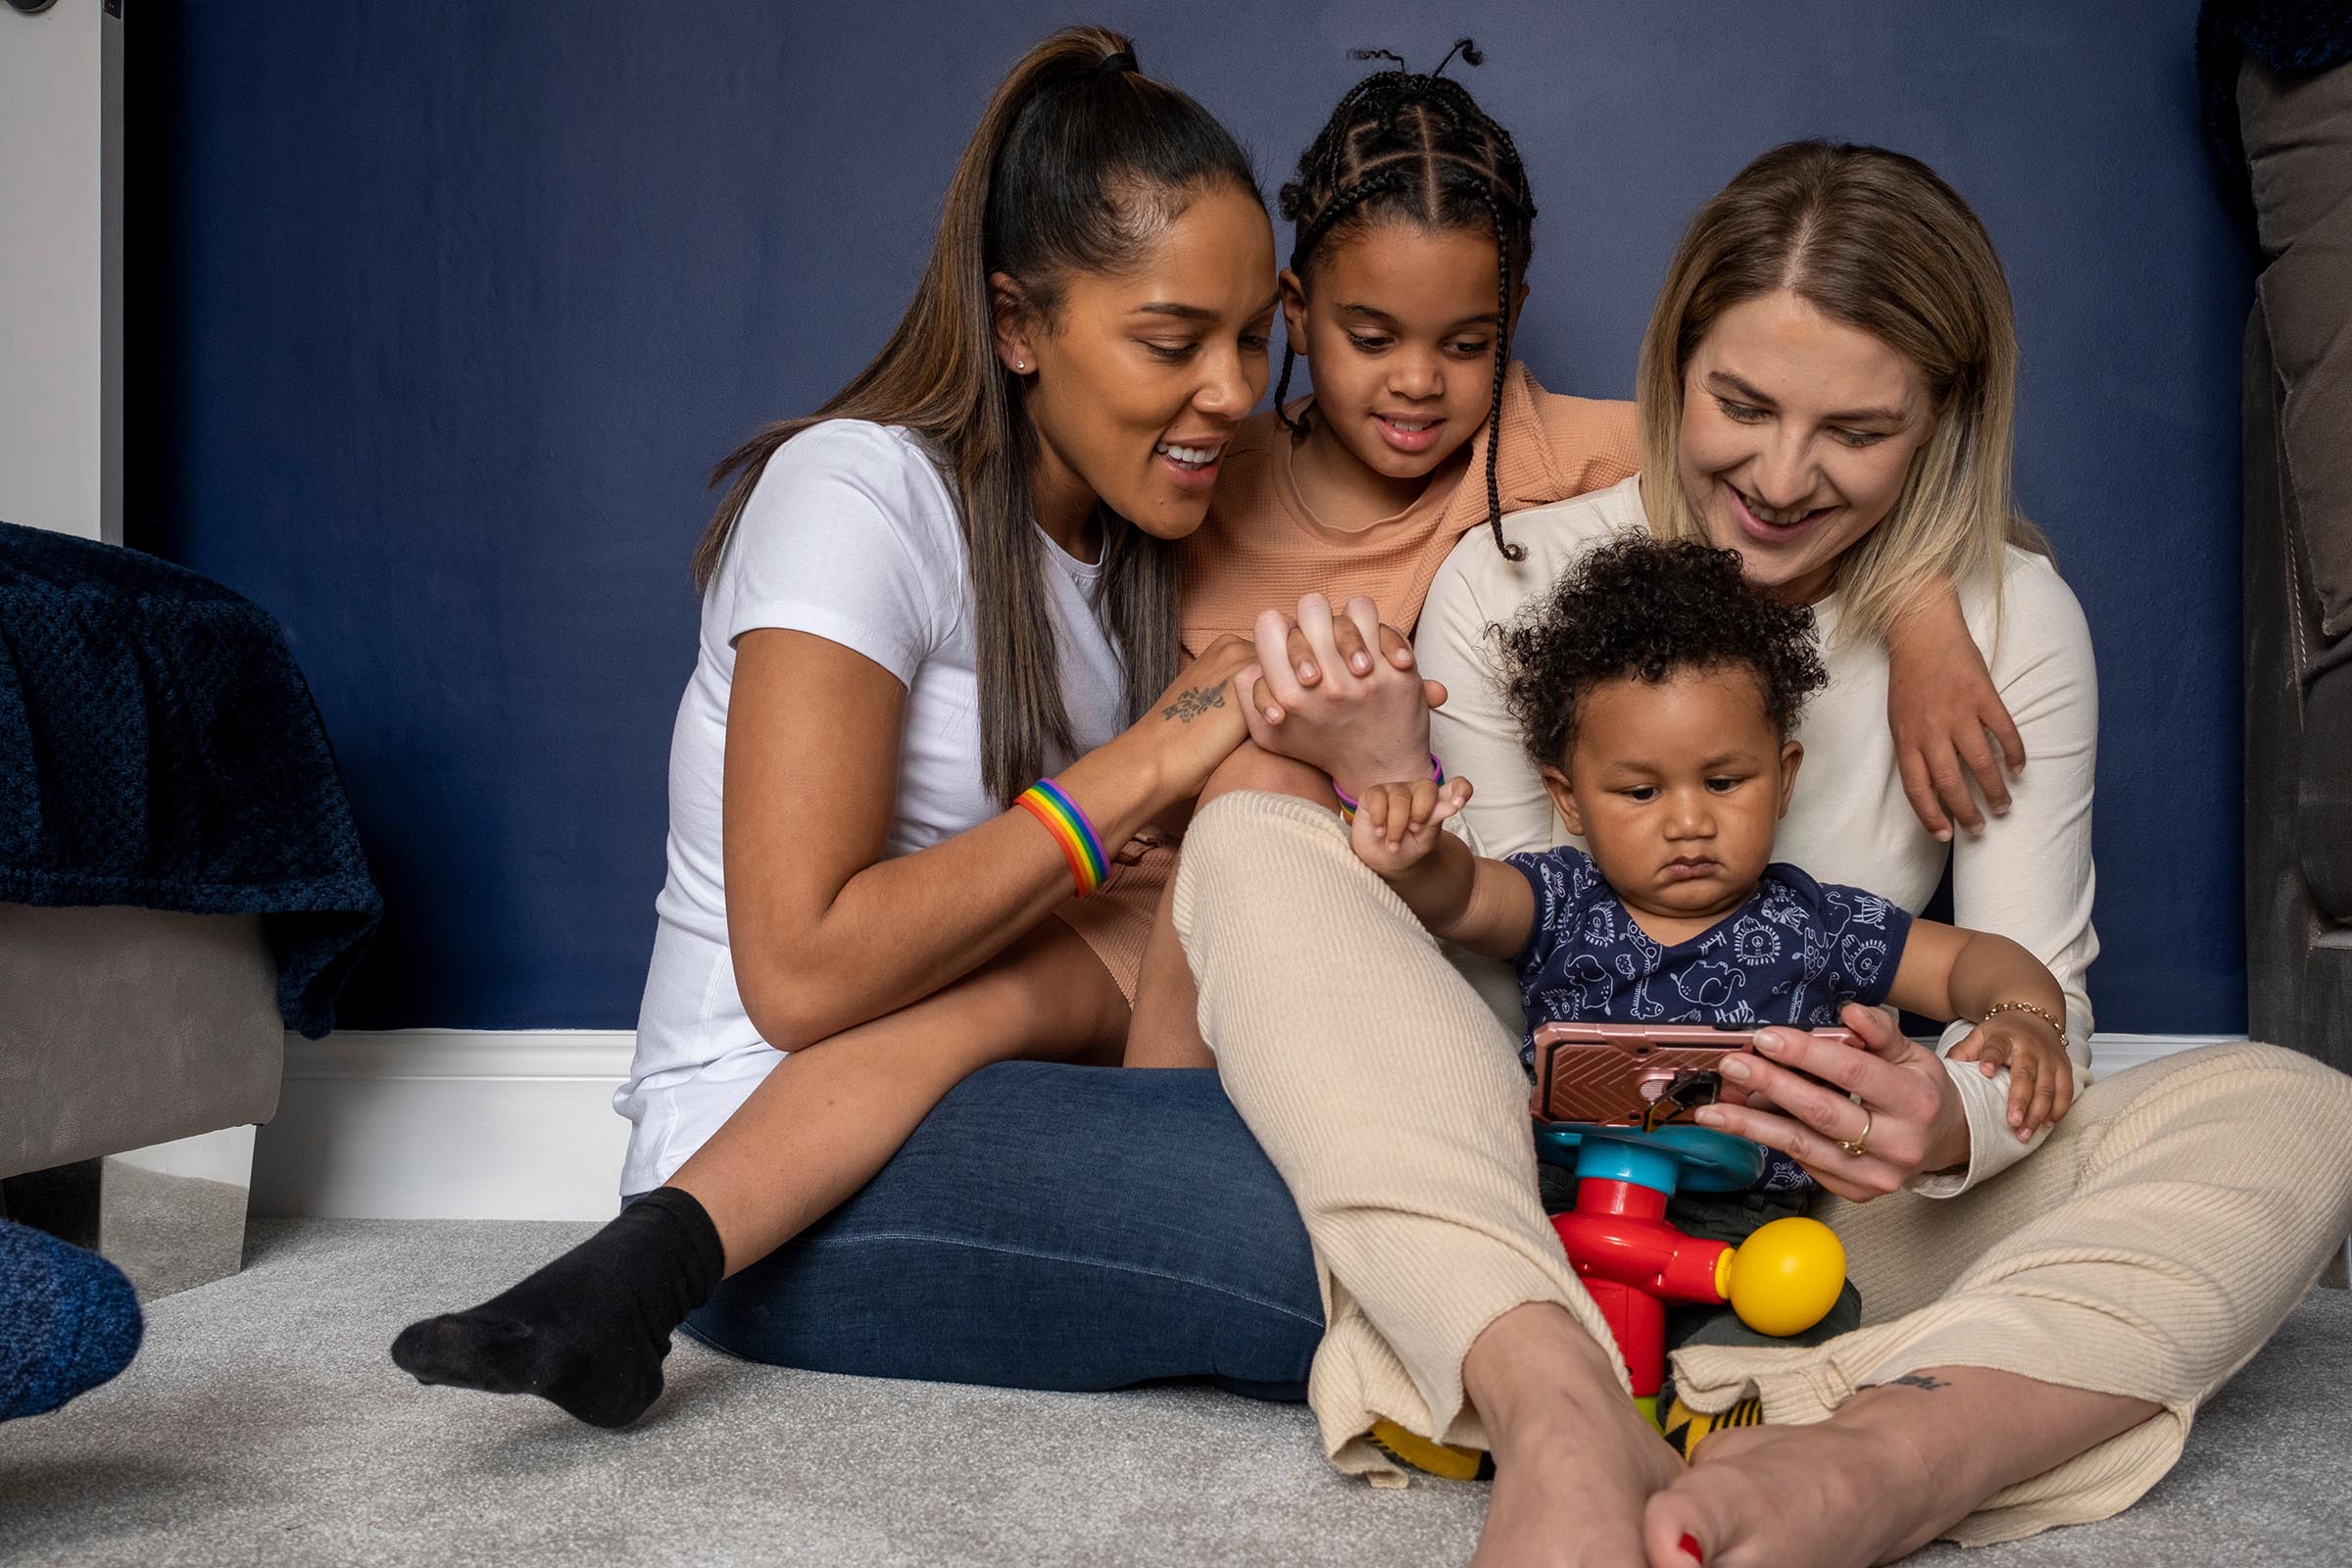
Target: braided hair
1416	147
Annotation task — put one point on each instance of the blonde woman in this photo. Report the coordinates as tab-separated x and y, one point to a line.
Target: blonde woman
1826	387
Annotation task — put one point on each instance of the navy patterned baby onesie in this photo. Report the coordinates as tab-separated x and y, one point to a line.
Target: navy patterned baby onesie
1794	954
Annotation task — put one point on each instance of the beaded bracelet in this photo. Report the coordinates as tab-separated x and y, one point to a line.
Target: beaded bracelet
2044	1013
1348	802
1072	830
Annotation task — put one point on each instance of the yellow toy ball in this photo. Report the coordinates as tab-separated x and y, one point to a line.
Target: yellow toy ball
1785	1277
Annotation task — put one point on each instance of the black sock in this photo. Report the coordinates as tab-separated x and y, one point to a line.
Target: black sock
590	1330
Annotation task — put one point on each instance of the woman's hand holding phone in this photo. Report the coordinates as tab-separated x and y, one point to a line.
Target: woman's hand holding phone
1862	1120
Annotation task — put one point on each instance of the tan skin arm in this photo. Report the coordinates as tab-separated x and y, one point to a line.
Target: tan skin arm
1948	972
1945	716
825	932
1460	898
1463	897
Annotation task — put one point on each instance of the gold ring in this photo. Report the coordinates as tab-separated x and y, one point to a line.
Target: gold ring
1863	1137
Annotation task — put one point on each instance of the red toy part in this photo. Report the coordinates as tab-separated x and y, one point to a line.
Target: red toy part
1632	1262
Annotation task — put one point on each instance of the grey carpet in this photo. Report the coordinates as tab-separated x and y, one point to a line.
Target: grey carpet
263	1422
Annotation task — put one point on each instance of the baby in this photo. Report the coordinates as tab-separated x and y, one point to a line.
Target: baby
1657	692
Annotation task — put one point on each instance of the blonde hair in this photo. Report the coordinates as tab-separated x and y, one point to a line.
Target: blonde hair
1878	241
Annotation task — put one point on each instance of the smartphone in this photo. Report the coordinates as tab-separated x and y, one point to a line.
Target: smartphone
1614	1073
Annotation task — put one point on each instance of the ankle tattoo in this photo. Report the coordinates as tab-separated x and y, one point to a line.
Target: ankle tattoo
1915	1379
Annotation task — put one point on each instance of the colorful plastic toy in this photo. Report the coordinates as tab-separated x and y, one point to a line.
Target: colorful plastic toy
1782	1279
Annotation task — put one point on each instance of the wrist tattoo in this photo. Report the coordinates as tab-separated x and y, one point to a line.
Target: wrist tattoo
1193	702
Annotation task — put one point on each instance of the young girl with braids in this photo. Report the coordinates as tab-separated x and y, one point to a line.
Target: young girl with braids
1412	226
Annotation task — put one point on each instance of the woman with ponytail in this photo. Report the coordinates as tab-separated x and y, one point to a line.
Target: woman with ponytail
938	692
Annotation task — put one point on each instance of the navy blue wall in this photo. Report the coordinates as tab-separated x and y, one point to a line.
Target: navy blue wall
460	302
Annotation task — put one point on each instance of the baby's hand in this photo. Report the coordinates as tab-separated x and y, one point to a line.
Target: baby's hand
1397	824
2041	1079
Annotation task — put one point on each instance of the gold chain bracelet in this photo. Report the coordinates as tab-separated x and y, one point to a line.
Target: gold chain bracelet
2044	1013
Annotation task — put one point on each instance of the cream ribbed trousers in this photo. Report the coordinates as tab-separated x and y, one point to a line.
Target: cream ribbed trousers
2147	1249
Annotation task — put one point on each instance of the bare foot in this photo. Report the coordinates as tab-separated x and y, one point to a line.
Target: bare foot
1822	1495
1901	1462
1574	1461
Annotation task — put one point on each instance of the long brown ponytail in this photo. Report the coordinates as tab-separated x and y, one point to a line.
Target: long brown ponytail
1071	170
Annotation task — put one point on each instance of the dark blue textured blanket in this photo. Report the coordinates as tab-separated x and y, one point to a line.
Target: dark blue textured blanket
2293	38
159	747
68	1321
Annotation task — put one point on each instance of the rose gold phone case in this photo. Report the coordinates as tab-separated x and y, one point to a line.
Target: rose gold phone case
1611	1073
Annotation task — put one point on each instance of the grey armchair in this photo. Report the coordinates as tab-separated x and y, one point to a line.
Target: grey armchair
124	1028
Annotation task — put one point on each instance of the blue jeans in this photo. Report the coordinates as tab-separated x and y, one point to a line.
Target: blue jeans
1048	1227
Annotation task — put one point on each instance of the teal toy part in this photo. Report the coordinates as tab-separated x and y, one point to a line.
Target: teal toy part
1672	1158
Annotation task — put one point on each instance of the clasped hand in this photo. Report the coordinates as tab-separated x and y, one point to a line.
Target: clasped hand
1396	825
1340	693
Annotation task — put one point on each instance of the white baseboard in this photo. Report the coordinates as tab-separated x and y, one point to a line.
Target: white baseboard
484	1125
446	1124
2113	1054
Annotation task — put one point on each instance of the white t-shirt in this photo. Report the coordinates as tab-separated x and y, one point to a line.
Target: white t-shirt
851	535
2028	878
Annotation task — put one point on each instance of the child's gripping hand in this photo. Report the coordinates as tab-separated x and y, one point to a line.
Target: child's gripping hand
2042	1077
1396	825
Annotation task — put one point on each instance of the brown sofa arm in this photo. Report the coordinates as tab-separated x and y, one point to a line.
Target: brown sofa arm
2298	755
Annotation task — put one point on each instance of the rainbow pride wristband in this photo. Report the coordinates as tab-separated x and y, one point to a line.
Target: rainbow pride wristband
1437	775
1072	830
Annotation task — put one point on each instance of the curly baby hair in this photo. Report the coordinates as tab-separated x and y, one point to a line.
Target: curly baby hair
1416	147
1647	608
